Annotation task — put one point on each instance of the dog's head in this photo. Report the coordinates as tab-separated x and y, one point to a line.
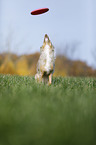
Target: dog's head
46	39
47	42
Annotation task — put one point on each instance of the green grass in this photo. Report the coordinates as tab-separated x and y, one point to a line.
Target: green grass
36	114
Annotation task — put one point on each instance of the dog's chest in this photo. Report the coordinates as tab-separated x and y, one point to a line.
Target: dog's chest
47	51
47	55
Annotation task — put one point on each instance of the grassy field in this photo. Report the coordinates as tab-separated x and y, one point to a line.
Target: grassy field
35	114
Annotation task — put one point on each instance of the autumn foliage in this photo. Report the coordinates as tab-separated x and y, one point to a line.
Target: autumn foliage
26	65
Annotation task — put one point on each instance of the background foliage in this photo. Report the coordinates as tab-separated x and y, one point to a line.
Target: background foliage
26	65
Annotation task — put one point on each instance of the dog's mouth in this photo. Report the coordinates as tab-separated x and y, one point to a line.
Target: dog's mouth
46	39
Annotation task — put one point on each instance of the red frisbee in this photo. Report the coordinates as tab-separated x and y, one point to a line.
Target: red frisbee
39	11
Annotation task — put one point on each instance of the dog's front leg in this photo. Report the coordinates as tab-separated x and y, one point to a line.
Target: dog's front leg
50	79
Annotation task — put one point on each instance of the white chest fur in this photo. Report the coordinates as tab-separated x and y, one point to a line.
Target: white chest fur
47	57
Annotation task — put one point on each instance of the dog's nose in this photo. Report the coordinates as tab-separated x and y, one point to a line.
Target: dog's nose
46	35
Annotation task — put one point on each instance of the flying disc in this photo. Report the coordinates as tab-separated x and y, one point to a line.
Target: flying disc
39	11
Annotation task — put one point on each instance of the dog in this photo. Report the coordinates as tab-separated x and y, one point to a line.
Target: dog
46	62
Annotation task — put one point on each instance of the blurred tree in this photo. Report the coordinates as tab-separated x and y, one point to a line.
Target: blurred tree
22	66
94	57
7	67
68	50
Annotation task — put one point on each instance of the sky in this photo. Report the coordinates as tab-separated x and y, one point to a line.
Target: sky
67	23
